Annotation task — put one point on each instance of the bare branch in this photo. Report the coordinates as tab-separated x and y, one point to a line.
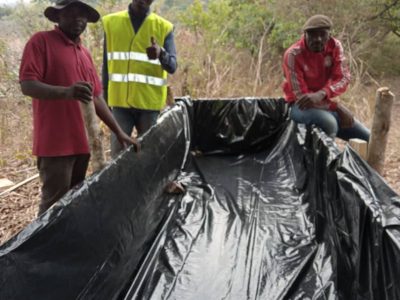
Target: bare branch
386	8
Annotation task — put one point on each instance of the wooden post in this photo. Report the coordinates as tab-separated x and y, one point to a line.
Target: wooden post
93	133
360	146
380	129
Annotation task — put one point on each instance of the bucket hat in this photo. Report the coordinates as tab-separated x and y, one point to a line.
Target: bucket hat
51	12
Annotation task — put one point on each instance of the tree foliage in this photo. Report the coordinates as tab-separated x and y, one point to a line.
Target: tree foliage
388	12
218	39
5	10
271	26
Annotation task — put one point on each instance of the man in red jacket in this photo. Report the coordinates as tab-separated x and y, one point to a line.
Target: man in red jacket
315	72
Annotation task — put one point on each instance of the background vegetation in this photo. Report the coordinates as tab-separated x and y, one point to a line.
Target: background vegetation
226	48
234	47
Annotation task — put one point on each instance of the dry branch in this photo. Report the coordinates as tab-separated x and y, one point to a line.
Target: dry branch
19	185
93	133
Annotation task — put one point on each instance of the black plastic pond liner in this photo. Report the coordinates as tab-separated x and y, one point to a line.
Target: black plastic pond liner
271	211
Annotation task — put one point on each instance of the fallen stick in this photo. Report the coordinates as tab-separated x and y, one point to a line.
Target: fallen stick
19	185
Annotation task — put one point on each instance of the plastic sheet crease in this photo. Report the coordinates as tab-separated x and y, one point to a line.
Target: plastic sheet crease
271	211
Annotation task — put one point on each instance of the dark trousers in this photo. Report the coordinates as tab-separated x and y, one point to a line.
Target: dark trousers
58	175
129	118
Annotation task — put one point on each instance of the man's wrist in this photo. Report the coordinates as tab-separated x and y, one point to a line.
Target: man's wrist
66	93
162	53
327	92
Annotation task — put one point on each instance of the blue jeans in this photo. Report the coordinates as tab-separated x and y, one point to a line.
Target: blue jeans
128	118
328	121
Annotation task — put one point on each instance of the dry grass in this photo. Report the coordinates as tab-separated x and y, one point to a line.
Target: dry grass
217	72
19	207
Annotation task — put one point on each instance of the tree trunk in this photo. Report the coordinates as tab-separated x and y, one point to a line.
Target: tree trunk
380	129
93	133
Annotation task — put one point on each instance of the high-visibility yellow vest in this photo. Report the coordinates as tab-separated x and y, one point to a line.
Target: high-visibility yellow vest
134	80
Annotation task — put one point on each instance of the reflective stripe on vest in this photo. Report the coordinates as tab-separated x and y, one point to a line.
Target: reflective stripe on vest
137	78
132	56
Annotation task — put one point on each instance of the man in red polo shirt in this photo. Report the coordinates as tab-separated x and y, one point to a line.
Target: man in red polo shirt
58	72
315	72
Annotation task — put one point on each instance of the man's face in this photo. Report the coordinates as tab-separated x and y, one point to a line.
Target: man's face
316	39
72	20
141	6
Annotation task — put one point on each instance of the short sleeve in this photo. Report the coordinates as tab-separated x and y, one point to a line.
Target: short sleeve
33	59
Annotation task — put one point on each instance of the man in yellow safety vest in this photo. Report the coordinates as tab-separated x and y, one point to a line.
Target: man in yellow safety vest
135	66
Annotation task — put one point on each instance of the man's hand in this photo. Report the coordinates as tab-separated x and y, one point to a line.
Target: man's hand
346	118
126	140
153	52
81	91
311	100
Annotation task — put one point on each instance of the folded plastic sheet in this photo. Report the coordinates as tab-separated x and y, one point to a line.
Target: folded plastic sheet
271	211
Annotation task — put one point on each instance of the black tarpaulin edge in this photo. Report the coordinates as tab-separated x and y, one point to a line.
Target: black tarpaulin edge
93	246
